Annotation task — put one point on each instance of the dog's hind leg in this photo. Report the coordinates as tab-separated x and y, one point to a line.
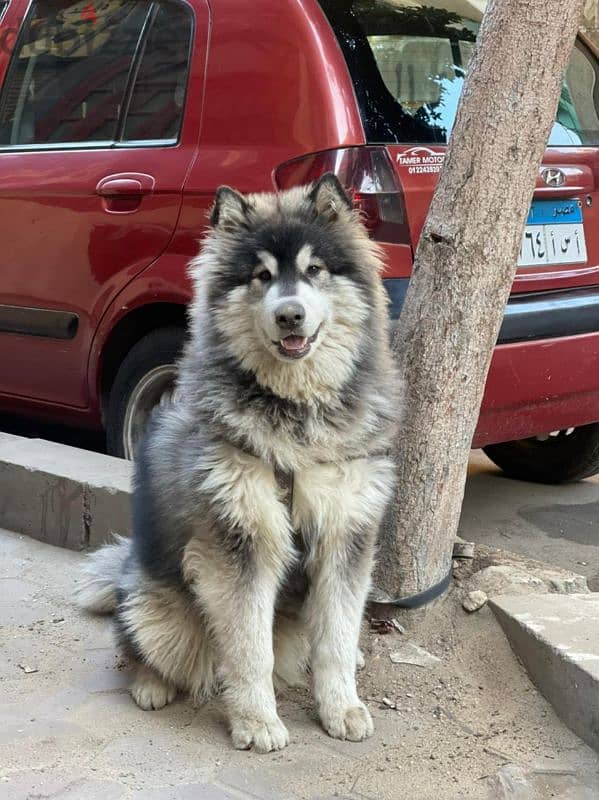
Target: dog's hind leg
340	508
292	652
150	690
164	633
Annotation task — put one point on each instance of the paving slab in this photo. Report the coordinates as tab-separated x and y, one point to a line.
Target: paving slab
557	639
62	495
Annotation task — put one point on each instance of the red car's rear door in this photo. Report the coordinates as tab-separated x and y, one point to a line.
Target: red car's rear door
94	150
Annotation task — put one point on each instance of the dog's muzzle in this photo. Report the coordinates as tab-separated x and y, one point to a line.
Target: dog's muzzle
289	318
295	346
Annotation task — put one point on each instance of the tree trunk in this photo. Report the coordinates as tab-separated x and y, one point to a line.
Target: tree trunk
464	268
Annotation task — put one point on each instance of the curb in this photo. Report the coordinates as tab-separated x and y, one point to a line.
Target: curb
556	636
62	495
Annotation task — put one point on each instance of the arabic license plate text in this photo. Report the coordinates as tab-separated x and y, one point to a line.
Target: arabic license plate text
554	234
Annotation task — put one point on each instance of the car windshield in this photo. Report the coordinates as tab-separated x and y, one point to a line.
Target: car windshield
408	62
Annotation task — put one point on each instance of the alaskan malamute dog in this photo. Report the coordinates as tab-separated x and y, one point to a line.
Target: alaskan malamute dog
260	488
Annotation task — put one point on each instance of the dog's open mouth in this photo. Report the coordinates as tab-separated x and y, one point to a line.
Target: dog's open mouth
296	346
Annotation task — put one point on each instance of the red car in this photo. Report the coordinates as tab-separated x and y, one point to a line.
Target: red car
118	120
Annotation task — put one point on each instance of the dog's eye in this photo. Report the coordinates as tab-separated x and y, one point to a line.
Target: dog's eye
264	276
313	270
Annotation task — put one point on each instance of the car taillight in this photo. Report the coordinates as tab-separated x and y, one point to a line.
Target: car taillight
370	179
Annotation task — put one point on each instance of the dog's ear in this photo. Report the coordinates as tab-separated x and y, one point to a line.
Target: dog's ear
329	198
230	209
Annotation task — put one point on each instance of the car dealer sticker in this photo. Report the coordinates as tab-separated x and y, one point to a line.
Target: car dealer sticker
420	159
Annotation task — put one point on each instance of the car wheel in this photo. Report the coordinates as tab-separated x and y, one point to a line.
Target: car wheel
145	378
557	457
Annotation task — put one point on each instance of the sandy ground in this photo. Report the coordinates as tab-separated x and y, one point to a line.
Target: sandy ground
470	726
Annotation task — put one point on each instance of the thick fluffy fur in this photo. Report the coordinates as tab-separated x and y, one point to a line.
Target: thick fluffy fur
231	581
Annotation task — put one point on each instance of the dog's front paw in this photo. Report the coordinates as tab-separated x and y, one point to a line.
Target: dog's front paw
353	723
258	734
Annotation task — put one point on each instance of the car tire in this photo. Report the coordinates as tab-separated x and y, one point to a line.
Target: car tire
561	457
146	376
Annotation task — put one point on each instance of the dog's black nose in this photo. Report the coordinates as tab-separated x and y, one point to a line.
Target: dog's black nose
290	315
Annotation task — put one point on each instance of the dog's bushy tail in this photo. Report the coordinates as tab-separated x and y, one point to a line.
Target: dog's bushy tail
97	588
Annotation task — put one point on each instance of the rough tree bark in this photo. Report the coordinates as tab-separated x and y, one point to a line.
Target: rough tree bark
464	268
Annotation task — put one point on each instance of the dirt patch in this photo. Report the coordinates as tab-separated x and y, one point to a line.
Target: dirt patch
468	721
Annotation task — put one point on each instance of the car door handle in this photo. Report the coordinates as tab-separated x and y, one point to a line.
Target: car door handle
125	184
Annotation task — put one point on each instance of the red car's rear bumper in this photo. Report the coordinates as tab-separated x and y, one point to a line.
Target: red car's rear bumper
544	375
540	386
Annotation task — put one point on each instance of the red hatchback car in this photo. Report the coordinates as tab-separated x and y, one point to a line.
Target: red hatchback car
118	120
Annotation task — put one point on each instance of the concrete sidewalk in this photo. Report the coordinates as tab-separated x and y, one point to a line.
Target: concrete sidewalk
471	727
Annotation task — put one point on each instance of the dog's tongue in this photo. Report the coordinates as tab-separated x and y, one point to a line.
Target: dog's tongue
294	342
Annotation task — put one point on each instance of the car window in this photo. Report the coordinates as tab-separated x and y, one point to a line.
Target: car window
67	78
408	62
78	67
156	107
577	114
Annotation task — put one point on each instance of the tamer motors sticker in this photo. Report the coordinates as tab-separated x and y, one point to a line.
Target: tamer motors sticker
420	159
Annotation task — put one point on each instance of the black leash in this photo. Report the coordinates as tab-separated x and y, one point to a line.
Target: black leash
422	598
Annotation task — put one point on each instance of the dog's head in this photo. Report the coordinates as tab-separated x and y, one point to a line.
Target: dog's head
291	280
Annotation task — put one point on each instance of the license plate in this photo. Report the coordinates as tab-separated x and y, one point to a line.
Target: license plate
554	234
